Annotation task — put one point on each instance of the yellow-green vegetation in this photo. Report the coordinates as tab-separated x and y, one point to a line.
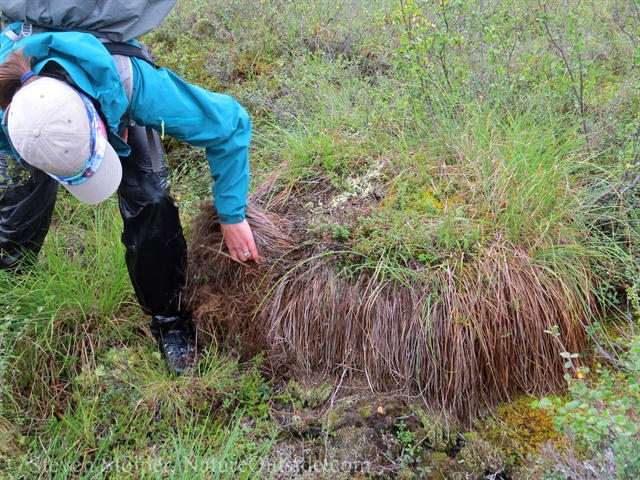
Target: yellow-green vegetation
520	429
450	144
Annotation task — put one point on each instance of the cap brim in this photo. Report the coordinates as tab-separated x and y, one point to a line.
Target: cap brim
103	183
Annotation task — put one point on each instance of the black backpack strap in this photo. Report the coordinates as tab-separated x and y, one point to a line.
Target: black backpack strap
53	69
129	50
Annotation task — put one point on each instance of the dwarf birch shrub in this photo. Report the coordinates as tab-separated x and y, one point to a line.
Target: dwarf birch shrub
600	421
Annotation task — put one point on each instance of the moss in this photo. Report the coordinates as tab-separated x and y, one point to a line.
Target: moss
311	395
520	429
483	458
331	419
439	433
439	466
366	408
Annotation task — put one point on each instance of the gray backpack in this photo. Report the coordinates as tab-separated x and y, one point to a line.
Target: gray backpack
117	20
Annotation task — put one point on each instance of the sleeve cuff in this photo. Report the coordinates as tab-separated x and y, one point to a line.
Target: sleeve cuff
230	219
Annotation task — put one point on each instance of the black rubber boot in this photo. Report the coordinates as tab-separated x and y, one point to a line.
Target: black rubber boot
177	344
156	252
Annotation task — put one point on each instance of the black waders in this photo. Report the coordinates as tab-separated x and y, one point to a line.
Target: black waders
156	251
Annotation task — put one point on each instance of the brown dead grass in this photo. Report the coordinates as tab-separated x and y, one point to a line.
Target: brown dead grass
466	340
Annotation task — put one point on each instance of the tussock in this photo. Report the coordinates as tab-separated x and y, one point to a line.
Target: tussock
466	340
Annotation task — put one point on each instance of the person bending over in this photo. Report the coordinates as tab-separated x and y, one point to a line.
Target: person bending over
68	119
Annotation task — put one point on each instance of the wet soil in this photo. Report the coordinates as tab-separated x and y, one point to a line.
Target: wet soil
359	435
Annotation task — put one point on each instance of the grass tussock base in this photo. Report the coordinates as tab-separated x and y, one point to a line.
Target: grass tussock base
467	339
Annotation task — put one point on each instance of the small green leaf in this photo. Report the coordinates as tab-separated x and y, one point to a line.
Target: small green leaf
572	405
545	403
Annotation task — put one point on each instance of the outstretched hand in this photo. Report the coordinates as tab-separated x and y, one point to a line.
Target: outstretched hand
240	242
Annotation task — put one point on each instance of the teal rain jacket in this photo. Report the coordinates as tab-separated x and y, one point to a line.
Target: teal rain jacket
160	100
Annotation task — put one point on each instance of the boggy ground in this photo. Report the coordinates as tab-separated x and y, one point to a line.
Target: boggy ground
350	433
